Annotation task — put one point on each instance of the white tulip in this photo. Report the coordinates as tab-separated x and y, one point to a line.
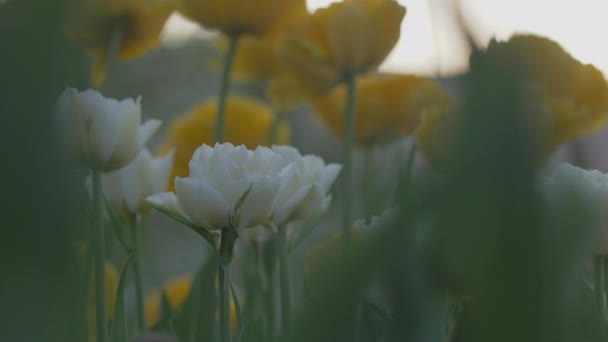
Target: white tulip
590	187
305	183
126	189
218	177
369	227
101	132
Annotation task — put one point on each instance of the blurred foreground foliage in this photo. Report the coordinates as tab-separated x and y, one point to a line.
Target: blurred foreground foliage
39	272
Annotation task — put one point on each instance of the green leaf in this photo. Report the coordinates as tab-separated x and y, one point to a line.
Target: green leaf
211	238
119	322
240	318
233	220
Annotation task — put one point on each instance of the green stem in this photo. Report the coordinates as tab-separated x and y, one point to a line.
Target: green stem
368	190
277	118
284	282
269	255
599	280
405	181
196	304
224	285
99	245
349	138
270	318
139	290
225	87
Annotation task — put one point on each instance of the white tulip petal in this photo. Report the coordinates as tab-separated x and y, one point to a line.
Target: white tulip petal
162	171
167	201
286	208
105	128
258	206
146	130
289	153
329	175
203	204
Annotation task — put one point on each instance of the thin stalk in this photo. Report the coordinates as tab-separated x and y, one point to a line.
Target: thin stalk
599	282
225	87
139	290
196	307
224	287
270	318
405	182
277	118
284	282
99	244
366	185
349	138
271	292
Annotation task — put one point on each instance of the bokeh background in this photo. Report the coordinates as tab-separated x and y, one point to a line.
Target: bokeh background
177	76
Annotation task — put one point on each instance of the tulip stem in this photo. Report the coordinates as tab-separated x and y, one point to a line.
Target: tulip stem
99	245
277	118
406	180
349	137
600	293
139	290
284	282
225	253
225	87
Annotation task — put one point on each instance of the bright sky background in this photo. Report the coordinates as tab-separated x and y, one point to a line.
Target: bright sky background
430	42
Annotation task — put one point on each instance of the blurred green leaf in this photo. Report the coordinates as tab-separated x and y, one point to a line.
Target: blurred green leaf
119	321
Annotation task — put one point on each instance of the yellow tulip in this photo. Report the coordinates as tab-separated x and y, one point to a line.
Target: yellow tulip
256	57
177	291
241	17
576	94
348	37
565	98
93	23
248	122
388	106
434	133
111	293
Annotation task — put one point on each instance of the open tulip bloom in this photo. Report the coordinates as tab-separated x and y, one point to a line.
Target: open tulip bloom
232	188
125	189
285	186
102	133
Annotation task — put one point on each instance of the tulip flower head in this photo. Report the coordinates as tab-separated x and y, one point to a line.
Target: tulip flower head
102	133
587	187
219	176
283	186
563	99
126	189
305	184
348	37
329	250
137	24
574	94
134	24
257	56
388	106
248	122
241	16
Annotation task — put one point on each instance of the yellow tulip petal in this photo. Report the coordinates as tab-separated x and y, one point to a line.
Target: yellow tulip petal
388	106
248	122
